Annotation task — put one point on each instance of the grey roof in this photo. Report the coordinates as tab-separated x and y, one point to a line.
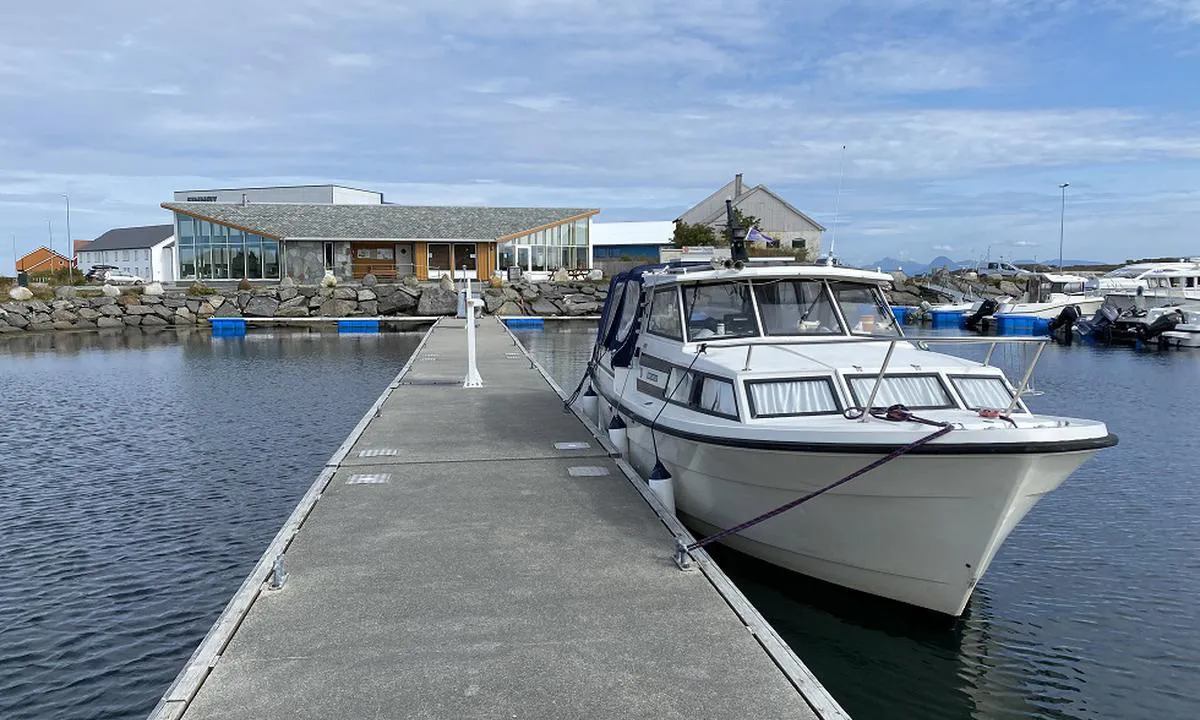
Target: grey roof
130	238
288	220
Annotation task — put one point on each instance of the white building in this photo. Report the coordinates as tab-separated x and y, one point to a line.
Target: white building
147	251
630	241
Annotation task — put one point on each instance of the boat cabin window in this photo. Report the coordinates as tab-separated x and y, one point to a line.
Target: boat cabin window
629	308
720	310
796	307
982	392
716	396
919	392
864	308
664	314
794	396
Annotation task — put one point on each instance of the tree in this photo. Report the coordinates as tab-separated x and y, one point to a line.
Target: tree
688	234
744	220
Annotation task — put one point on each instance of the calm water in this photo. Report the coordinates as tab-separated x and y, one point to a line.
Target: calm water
143	476
1089	610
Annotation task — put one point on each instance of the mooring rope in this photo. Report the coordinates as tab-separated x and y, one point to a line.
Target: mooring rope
895	413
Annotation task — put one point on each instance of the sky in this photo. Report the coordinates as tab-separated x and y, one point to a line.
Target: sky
959	119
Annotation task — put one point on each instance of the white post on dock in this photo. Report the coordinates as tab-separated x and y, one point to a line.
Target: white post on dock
473	380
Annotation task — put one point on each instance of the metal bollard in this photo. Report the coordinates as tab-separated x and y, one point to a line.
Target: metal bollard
278	576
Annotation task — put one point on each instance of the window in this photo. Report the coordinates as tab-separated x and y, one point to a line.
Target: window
716	397
664	314
720	310
796	307
124	256
680	384
983	392
629	309
795	396
864	308
914	391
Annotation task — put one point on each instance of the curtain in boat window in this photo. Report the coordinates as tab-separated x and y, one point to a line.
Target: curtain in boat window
792	397
979	393
914	391
679	385
716	396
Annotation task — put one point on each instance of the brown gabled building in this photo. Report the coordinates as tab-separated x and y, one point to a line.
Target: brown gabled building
42	260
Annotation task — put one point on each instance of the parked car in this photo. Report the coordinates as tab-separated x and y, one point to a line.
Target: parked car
97	272
1002	269
117	276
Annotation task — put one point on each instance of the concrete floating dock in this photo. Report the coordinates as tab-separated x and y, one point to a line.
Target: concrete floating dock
477	553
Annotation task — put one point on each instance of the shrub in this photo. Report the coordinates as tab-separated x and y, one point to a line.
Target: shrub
199	288
244	284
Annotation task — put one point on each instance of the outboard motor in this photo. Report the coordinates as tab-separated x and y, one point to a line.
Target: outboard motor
1161	324
1100	324
1065	319
986	308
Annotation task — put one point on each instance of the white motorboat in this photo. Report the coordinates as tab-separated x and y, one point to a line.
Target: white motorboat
750	404
1185	334
1048	294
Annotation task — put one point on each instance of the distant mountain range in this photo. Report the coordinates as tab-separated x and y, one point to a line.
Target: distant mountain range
912	267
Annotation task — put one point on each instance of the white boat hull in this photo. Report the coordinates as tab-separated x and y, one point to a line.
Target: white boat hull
921	530
1048	311
1187	335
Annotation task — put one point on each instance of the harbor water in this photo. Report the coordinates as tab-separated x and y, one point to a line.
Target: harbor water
145	474
1088	610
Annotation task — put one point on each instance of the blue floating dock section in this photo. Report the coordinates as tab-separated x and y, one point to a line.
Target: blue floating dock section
525	322
902	313
948	318
228	327
358	326
1021	325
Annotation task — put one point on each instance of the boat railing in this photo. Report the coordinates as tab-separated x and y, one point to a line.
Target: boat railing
921	342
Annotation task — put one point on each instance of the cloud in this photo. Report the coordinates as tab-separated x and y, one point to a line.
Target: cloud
350	60
539	104
943	248
902	68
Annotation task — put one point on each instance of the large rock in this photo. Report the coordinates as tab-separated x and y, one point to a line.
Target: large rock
151	299
153	289
13	307
152	320
293	311
298	301
369	280
111	310
544	307
491	302
206	309
227	309
110	322
63	316
1008	287
243	299
133	320
510	308
338	308
560	275
369	307
528	294
345	293
446	283
365	295
184	316
397	303
164	312
17	321
65	291
111	291
20	294
102	300
138	310
437	301
410	281
261	306
288	293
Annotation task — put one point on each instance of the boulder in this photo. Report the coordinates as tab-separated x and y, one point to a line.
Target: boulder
133	320
152	320
109	322
153	289
138	310
88	313
111	310
588	289
288	293
365	295
510	308
549	291
184	316
65	291
175	301
544	307
205	310
446	283
62	305
560	275
308	290
228	309
62	325
102	300
293	311
41	326
215	300
261	307
529	294
63	316
398	303
337	308
330	280
1008	287
163	312
20	294
595	274
110	290
369	307
299	301
17	321
369	280
345	293
438	301
151	300
287	283
492	303
17	308
410	281
243	299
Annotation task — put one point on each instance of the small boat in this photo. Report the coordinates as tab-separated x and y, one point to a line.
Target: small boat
1185	334
1048	294
1160	282
752	385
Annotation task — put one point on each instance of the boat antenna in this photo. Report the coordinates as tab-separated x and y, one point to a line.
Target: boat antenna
737	235
836	201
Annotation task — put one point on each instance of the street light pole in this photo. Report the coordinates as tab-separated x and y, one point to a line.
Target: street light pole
1062	217
70	245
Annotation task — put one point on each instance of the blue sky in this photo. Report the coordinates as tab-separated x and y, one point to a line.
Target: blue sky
960	118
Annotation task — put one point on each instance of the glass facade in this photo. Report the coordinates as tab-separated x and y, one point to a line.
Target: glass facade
561	246
208	251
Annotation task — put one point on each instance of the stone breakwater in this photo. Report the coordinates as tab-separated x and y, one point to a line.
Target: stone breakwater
92	308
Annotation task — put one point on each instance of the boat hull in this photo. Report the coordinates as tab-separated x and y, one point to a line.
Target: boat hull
921	530
1049	311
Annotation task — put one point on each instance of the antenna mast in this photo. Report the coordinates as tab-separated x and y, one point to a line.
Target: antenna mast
836	202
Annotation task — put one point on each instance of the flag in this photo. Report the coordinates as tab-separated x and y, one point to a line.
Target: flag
754	237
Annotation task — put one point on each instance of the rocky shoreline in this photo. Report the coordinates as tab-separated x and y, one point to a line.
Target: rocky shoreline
107	307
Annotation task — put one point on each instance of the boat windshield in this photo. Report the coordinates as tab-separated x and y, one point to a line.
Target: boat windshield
864	308
796	307
719	310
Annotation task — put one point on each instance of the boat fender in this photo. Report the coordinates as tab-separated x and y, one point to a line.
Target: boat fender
618	434
662	486
591	403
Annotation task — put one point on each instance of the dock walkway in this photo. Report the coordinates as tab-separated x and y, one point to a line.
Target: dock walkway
453	563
